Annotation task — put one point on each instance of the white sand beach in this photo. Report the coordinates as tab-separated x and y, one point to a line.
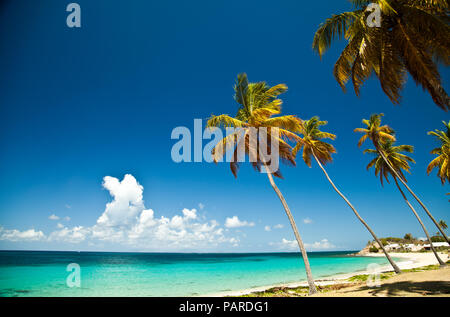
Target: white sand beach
407	261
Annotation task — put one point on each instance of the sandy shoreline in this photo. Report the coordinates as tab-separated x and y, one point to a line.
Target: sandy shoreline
407	261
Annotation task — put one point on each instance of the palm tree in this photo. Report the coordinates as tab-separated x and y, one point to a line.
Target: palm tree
257	104
442	161
379	134
414	36
313	146
443	224
408	237
399	162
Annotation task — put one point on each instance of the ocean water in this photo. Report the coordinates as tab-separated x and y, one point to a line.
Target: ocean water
39	273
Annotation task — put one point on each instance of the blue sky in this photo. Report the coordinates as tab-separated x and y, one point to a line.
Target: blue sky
77	105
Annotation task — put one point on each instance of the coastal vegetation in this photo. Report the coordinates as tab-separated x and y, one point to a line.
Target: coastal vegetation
358	283
405	244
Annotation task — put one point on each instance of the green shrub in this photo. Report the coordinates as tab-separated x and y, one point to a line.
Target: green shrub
437	239
373	249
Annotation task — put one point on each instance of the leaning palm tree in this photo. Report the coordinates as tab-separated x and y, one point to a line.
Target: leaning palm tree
412	36
399	162
258	103
379	134
442	161
313	146
443	224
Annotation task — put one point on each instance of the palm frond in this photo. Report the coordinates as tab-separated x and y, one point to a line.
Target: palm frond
332	28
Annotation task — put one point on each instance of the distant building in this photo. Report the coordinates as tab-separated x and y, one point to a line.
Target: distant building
393	247
413	247
436	245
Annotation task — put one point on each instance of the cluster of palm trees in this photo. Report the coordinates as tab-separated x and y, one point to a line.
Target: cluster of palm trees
259	105
414	36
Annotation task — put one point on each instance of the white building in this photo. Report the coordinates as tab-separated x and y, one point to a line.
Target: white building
392	246
436	245
413	247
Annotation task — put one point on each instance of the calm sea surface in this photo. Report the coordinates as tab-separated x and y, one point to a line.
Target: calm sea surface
39	273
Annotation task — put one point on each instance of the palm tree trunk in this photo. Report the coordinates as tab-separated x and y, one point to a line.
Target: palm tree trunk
394	266
312	287
441	263
414	195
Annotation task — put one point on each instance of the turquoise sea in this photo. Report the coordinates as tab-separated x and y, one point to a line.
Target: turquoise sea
39	273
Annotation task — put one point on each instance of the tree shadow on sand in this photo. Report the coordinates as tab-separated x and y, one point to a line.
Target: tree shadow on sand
405	288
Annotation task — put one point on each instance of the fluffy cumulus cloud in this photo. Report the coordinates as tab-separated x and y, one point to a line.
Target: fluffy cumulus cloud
307	221
126	221
16	235
292	245
127	201
234	222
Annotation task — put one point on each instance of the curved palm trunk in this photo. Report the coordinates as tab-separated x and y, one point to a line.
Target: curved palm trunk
394	266
414	195
312	287
441	263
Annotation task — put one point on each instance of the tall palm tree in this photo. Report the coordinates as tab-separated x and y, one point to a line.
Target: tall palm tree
313	146
442	161
399	162
414	36
258	103
379	134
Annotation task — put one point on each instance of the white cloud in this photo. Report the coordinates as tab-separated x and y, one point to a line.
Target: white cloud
290	244
67	218
74	235
323	244
68	206
307	220
126	221
201	206
269	228
16	235
189	214
127	202
286	244
53	217
234	242
234	222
